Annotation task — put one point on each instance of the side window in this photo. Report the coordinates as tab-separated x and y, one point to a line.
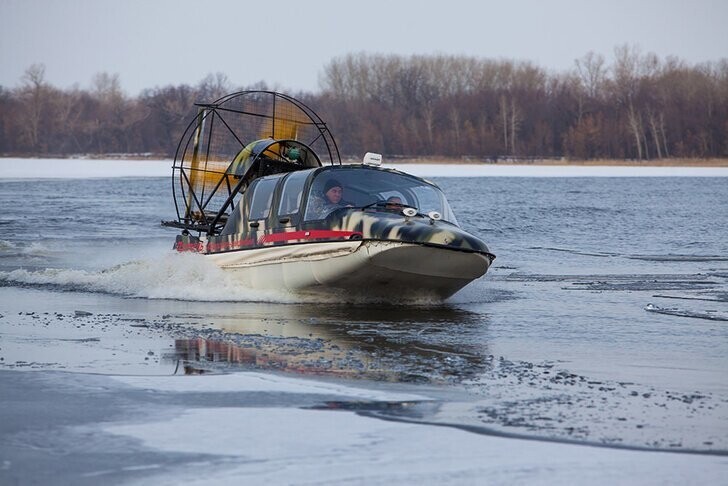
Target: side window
292	193
262	198
316	207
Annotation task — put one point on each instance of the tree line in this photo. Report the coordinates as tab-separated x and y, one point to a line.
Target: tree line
638	107
40	119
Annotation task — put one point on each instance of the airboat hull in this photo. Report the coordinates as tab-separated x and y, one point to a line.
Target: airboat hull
387	269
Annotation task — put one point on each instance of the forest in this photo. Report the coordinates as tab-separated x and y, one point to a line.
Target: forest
636	107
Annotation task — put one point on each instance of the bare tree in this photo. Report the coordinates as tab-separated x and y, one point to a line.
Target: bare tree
107	87
592	73
214	86
515	124
626	82
636	107
510	119
34	99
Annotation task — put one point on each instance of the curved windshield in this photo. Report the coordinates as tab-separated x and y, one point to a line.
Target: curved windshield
359	187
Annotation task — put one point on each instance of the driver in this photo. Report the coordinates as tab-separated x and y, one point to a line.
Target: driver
333	192
333	198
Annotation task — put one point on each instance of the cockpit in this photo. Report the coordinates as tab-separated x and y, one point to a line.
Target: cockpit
364	187
311	195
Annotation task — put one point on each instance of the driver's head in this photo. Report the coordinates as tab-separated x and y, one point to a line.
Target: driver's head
333	191
394	202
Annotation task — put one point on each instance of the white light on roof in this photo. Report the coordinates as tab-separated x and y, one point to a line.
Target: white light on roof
370	158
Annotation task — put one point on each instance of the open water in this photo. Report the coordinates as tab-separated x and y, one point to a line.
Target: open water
604	318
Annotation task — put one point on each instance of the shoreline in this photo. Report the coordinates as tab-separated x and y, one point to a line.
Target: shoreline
562	162
430	160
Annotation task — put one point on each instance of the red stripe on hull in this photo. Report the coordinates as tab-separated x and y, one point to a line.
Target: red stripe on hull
232	245
266	240
196	247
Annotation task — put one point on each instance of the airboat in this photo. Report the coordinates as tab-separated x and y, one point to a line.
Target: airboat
260	190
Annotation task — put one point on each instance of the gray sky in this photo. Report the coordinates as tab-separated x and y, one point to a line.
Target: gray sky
287	42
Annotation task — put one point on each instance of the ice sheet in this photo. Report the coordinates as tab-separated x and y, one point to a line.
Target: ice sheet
14	168
294	446
480	170
259	382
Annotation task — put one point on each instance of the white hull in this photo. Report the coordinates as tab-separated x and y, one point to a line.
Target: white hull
369	268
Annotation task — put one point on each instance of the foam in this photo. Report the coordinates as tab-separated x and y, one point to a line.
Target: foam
181	276
34	249
170	276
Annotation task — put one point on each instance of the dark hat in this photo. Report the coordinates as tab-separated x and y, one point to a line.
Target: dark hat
331	183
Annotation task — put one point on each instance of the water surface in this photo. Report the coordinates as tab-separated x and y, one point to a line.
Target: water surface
603	319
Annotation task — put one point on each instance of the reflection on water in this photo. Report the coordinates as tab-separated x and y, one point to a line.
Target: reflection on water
198	355
381	343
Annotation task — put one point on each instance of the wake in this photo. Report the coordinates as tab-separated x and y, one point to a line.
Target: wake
181	276
172	276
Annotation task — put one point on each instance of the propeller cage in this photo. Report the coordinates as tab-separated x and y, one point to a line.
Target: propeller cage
221	152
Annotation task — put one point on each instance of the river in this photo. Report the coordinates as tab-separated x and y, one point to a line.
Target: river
603	321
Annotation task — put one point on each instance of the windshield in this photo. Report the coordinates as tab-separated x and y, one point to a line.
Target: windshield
360	186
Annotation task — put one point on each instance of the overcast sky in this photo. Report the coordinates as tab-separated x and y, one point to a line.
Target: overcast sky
286	43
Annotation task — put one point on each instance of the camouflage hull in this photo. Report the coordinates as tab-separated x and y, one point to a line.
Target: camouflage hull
391	269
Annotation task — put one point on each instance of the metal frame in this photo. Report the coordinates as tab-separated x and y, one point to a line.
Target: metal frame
196	129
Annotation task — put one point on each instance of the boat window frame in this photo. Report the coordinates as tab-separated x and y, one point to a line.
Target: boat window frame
273	180
293	214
